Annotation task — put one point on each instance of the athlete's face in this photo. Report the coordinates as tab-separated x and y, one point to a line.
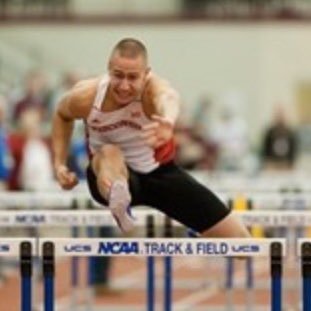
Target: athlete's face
127	78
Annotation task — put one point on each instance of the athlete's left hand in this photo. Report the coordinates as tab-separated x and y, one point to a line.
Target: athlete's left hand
158	132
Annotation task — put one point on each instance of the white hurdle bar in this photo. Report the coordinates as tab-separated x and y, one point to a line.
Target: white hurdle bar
231	247
274	249
67	218
65	199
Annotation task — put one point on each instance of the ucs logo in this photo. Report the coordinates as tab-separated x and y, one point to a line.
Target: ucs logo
4	248
246	249
78	248
118	248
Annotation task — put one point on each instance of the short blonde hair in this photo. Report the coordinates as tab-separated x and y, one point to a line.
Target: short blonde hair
130	47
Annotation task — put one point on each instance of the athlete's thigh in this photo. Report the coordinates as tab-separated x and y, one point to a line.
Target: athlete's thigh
177	194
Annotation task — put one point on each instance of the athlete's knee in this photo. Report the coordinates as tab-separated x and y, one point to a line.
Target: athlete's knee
103	184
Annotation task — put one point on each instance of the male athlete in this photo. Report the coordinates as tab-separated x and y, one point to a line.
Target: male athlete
129	117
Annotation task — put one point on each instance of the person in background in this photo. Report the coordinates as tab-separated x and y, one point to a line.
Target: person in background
231	138
189	150
5	163
202	123
31	154
5	154
33	96
36	155
279	143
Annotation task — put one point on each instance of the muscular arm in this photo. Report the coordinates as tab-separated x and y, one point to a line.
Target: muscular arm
162	99
161	104
76	104
62	127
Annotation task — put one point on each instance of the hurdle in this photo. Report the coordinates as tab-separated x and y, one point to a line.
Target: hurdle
68	218
275	249
102	217
24	249
62	199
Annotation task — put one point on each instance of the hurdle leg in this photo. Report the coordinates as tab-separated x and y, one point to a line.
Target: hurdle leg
150	267
168	269
150	283
34	232
168	264
74	265
276	276
90	277
249	284
48	262
229	283
26	274
74	274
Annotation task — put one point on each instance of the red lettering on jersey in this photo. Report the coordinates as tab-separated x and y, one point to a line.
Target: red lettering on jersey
117	125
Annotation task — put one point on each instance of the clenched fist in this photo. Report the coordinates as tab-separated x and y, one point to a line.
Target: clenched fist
65	177
158	132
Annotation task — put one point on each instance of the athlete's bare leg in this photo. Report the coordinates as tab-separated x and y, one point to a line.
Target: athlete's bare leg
109	166
229	227
112	182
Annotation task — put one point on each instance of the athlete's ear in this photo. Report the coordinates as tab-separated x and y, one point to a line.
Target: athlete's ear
148	71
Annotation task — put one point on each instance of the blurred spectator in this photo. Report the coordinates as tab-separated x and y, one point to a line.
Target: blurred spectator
78	157
36	157
189	151
202	124
5	163
5	154
201	120
231	138
31	154
33	97
279	146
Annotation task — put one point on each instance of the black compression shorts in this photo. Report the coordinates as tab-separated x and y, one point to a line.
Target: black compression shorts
174	192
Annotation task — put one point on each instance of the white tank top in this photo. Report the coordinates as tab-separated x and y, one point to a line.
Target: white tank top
122	128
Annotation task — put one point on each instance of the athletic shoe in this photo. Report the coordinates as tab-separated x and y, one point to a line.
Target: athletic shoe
119	204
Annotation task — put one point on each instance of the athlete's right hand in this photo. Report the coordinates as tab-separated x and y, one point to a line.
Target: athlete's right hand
65	177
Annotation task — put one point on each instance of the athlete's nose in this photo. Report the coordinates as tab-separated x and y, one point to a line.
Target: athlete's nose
124	85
